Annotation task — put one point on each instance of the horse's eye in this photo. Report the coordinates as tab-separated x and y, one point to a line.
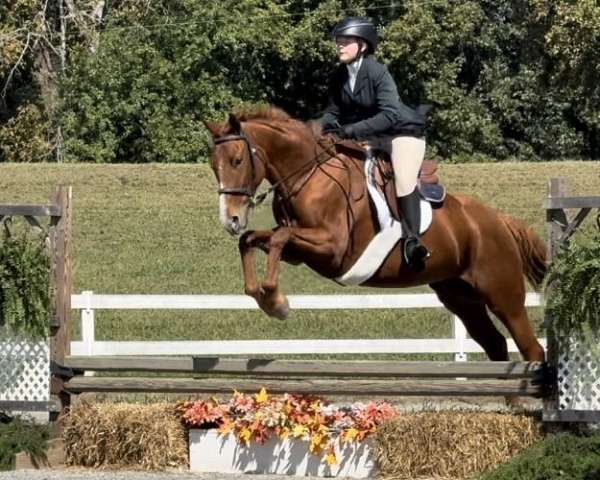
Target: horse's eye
236	161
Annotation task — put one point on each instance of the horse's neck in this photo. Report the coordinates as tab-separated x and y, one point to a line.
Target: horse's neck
287	156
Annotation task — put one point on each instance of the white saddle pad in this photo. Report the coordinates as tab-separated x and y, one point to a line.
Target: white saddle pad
382	243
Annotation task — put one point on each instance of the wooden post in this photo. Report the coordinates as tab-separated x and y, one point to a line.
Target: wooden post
556	222
60	323
556	218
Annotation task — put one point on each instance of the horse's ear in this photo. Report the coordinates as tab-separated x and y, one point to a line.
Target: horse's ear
235	124
213	128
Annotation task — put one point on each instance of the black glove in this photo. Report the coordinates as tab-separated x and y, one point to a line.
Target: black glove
347	131
328	128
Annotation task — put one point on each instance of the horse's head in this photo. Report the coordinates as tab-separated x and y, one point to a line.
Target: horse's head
238	172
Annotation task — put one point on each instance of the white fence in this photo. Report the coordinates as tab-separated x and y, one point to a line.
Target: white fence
88	303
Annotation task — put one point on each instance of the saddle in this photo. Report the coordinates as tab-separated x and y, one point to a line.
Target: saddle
428	183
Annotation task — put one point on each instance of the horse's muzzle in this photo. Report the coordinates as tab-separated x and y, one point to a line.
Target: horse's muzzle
233	226
233	213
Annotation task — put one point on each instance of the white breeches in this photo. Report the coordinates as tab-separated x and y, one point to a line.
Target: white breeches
407	157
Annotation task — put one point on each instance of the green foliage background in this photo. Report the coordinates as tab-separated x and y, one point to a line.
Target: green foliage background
510	79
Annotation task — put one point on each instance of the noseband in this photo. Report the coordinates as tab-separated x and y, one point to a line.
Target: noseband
247	191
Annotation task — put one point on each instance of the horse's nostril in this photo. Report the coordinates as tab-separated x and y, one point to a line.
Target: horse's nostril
235	220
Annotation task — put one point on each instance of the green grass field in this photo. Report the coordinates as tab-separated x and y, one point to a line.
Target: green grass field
155	229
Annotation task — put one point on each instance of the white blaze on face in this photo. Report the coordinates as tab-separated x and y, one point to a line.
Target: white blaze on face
223	217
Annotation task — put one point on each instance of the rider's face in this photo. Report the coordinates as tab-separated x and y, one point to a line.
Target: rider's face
347	48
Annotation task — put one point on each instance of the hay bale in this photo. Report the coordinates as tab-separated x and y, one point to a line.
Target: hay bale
148	437
451	444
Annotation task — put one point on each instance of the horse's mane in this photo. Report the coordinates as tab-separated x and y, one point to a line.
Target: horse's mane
263	113
269	114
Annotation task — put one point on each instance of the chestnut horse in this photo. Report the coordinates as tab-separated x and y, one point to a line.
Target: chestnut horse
324	217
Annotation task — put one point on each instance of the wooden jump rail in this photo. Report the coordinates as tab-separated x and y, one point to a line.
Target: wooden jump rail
370	368
279	376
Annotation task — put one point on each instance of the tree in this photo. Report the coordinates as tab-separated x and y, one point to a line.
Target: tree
573	47
26	93
142	94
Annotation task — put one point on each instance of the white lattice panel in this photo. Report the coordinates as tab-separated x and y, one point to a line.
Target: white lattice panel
578	377
24	371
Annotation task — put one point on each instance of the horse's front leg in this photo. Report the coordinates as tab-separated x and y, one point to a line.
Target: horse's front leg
247	243
313	242
275	303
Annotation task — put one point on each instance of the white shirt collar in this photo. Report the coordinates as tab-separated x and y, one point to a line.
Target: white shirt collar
353	69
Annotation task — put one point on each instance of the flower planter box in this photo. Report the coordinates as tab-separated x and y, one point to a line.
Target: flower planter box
211	452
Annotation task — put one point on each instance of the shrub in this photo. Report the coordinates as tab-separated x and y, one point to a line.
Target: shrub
561	456
21	435
573	286
25	297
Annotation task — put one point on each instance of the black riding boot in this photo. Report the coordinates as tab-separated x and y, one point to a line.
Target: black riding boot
414	253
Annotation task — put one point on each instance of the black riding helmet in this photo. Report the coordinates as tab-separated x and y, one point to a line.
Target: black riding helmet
360	27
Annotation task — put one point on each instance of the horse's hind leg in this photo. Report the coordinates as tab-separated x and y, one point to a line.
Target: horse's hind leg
506	299
463	300
516	320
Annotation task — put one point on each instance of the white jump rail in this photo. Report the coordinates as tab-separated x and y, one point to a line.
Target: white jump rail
88	302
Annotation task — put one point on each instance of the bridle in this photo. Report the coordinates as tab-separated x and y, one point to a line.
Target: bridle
248	190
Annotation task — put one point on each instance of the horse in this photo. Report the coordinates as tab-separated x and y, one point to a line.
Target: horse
479	256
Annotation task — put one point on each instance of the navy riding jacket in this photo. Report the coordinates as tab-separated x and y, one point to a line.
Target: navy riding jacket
374	107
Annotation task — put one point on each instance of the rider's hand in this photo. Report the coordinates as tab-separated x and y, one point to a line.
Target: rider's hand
347	131
333	127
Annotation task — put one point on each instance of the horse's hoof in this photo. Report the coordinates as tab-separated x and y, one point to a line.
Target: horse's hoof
281	310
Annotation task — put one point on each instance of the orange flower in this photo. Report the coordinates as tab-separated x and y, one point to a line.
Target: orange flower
261	397
331	458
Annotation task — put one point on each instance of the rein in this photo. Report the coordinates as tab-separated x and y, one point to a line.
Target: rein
314	161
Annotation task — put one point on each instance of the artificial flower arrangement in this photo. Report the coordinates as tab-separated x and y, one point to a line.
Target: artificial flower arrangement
259	416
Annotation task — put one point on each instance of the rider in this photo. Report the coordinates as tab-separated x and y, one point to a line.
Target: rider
364	103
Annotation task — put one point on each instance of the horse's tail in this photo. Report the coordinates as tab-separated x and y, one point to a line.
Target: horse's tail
532	249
